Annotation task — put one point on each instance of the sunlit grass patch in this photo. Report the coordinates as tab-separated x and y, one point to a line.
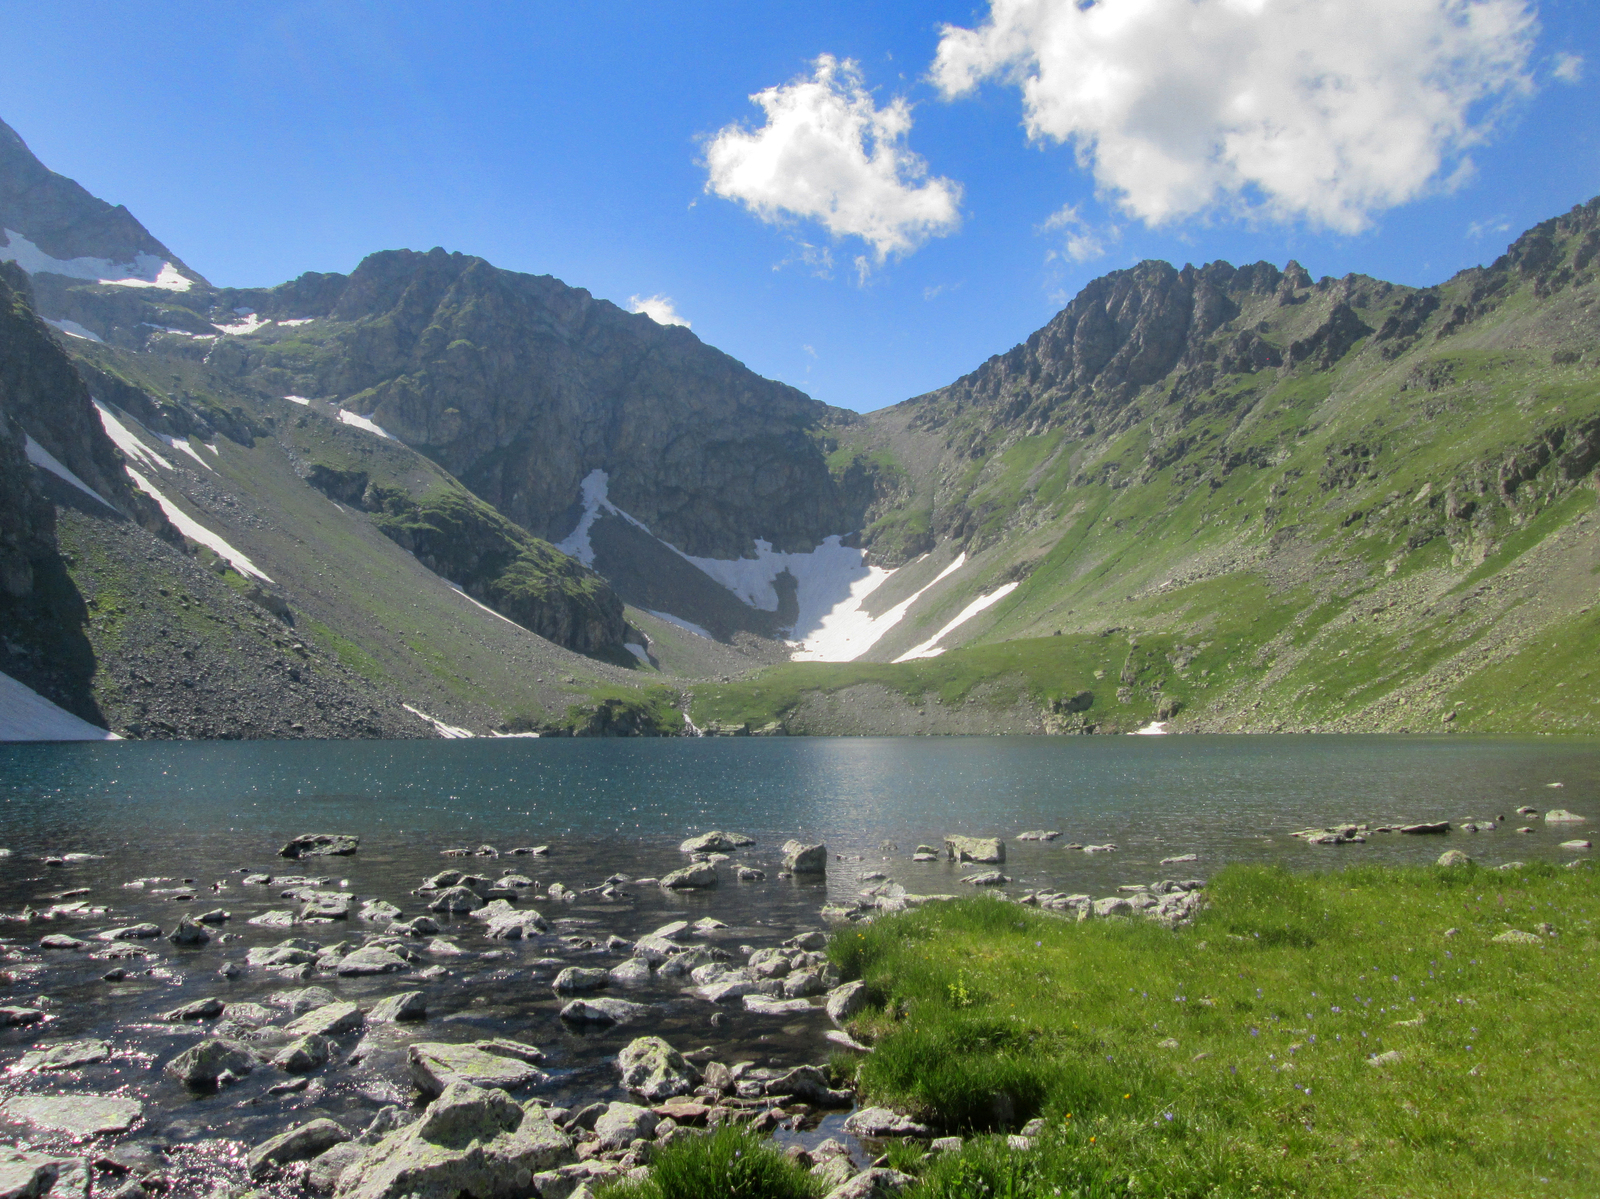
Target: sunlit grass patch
1320	1034
729	1163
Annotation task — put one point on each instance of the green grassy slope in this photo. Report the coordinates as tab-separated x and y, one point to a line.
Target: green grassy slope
1383	534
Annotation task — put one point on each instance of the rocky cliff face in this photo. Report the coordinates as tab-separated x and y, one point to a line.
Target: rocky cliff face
62	219
521	385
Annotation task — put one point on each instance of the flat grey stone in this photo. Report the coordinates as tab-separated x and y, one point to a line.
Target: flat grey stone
435	1065
65	1055
76	1115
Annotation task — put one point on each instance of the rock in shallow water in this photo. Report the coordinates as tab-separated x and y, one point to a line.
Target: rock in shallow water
374	959
577	979
211	1063
298	1144
603	1011
407	1005
883	1122
800	858
302	1055
695	877
76	1115
493	1063
470	1141
990	850
308	845
715	841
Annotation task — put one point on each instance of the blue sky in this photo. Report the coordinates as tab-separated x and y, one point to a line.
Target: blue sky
593	143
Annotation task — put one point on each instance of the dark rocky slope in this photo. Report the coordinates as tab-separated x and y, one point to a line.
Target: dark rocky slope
521	386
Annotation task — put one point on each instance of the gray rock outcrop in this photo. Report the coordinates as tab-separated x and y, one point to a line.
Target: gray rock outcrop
655	1070
471	1141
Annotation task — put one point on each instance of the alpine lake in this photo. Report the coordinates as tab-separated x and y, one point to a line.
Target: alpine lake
157	831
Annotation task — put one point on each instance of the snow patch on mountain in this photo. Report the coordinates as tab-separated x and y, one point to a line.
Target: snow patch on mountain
688	626
249	324
42	457
123	438
25	715
449	732
146	270
73	329
848	632
832	582
195	531
361	422
929	648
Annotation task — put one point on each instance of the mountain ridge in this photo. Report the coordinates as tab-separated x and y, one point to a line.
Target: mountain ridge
1220	497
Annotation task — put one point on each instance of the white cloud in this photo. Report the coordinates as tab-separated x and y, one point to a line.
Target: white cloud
1568	68
1477	230
1082	242
657	308
828	153
1283	108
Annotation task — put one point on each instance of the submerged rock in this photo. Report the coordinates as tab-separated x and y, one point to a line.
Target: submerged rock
986	878
64	1055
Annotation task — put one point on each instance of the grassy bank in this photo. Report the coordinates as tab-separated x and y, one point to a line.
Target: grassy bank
1243	1055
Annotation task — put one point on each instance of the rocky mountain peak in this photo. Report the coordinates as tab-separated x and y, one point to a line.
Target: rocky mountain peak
63	220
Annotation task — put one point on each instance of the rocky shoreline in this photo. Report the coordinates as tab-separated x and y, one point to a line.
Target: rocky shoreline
317	1058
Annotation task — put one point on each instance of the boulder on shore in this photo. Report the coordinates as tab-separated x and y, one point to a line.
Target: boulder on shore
471	1141
654	1069
1454	857
318	845
988	850
883	1122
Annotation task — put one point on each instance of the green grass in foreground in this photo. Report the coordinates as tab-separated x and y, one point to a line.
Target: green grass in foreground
729	1162
1234	1057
